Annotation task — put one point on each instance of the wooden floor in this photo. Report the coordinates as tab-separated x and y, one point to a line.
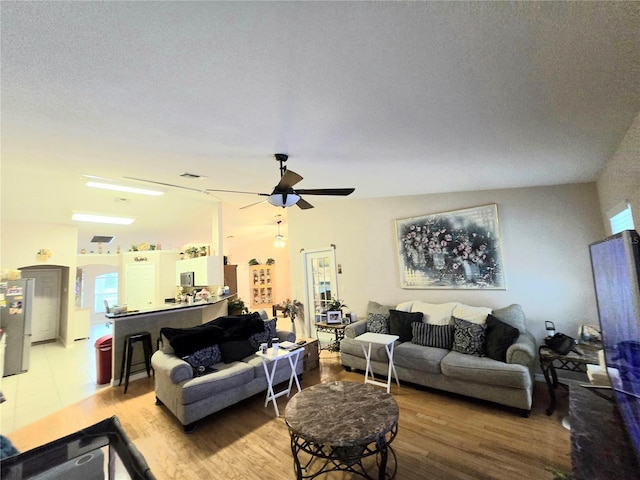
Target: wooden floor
441	436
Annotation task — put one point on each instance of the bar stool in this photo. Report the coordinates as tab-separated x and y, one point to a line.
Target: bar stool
127	355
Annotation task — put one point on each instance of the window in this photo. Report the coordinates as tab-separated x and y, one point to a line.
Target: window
622	219
106	289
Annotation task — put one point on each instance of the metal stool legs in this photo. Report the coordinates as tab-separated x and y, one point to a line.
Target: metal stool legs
127	355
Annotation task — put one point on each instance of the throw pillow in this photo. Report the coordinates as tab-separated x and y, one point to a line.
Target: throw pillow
400	323
377	323
235	350
265	336
435	313
203	360
438	336
471	314
512	315
468	337
500	336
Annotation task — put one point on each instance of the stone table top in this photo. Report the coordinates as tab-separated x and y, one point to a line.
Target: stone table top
341	413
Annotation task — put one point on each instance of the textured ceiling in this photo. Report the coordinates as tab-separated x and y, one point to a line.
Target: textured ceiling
391	98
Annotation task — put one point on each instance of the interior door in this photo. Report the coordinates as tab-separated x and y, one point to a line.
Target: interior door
321	284
140	286
45	320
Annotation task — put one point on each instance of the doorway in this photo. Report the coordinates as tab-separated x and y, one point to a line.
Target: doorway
321	284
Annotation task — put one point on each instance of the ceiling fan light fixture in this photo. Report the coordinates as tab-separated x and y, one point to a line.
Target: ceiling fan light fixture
283	199
279	242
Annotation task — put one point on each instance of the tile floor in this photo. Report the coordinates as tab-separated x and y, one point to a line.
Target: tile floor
57	377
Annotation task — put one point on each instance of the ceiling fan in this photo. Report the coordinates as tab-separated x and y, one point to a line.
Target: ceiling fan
283	194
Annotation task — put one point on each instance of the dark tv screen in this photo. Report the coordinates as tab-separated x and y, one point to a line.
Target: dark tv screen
616	272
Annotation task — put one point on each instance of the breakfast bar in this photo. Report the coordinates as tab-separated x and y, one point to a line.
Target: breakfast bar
176	315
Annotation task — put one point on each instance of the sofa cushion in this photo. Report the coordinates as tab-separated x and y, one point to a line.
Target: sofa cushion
468	337
435	313
438	336
500	336
378	323
512	315
416	357
400	323
471	314
235	350
354	347
484	370
228	375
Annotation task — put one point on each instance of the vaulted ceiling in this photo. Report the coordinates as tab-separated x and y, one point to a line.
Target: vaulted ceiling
392	98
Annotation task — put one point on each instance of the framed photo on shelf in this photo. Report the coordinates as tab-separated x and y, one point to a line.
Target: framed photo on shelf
334	316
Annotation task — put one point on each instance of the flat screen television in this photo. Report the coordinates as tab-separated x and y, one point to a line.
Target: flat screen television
616	273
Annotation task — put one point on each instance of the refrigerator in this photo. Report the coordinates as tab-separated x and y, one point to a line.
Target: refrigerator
16	306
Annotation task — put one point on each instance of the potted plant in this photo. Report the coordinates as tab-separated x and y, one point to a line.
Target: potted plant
270	261
237	307
253	261
192	252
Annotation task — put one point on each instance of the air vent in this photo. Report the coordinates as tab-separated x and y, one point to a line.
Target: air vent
191	175
102	239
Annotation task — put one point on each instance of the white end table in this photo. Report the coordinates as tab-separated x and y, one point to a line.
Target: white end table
270	359
388	342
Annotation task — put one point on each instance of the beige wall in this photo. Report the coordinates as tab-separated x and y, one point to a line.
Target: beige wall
619	181
545	236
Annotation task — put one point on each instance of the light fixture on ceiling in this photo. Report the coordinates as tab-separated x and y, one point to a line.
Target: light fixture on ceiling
279	242
283	199
88	217
123	188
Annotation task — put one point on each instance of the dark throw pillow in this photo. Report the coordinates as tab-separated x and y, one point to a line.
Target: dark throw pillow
468	337
500	336
265	336
235	350
400	323
427	335
203	360
377	323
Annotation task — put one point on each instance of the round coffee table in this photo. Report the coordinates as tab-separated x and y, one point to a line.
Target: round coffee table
334	426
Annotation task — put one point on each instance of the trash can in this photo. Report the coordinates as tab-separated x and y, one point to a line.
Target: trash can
103	359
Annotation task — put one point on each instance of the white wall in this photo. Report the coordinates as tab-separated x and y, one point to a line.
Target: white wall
619	180
545	236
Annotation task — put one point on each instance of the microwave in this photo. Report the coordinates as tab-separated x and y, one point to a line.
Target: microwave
187	279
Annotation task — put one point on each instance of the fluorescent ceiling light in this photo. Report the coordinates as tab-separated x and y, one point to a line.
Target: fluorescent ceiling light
283	199
122	188
87	217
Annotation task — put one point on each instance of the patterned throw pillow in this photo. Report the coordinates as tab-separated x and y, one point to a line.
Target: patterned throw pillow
438	336
377	323
469	338
265	336
202	360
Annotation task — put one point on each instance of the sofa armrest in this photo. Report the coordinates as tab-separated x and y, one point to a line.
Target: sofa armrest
286	335
171	367
523	350
354	329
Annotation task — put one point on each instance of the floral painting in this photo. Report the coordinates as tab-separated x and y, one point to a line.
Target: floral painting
457	249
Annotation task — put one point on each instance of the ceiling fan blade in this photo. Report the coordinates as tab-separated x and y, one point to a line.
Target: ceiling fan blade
288	180
327	191
235	191
252	204
167	184
303	204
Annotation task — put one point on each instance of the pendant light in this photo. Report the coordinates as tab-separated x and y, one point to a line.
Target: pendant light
279	242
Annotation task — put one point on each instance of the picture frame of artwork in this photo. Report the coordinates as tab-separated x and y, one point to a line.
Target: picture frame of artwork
334	316
458	249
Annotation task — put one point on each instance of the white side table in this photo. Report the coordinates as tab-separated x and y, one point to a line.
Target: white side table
380	339
270	359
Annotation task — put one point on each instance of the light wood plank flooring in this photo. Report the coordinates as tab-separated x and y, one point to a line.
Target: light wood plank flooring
441	436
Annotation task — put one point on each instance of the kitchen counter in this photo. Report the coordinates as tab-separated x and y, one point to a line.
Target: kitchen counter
176	315
171	306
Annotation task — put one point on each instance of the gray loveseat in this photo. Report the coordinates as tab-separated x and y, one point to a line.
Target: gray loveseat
508	382
190	397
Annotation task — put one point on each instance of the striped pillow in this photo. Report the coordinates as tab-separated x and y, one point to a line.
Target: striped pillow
428	335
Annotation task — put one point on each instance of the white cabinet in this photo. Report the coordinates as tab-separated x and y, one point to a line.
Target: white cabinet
206	270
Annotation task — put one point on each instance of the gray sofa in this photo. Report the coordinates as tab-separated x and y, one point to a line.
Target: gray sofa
508	382
191	398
